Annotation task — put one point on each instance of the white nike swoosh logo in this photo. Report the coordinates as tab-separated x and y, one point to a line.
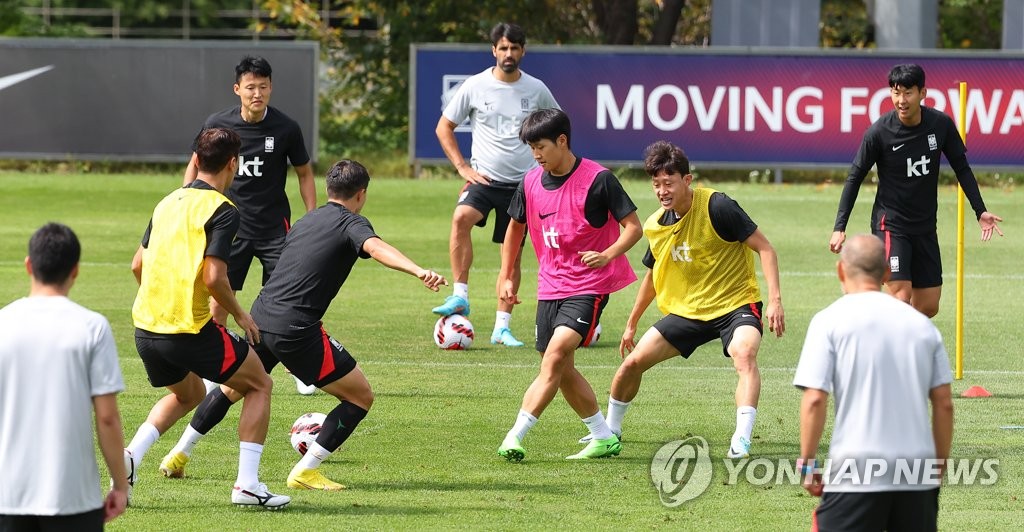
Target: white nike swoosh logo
894	148
583	322
14	79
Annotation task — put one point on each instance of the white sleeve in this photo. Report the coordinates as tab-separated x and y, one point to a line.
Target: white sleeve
941	373
818	357
104	369
460	105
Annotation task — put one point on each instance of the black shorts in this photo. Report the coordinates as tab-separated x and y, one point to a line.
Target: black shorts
913	258
83	522
485	198
579	313
214	353
687	335
878	510
242	252
311	355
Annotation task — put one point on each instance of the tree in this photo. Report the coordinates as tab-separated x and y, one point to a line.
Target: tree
617	20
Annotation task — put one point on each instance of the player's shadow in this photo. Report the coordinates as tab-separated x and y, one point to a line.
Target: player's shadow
456	486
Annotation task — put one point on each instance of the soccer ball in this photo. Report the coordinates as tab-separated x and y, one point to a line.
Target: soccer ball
593	339
305	430
453	332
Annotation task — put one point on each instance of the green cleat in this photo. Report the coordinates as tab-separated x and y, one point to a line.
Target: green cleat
599	449
511	449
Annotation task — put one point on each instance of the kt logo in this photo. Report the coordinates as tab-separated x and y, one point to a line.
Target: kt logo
251	168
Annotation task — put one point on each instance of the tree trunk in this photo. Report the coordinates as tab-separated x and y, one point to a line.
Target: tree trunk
617	20
665	26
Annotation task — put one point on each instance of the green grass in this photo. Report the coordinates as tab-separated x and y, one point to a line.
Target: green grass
425	456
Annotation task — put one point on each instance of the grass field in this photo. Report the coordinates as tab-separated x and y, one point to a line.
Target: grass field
425	456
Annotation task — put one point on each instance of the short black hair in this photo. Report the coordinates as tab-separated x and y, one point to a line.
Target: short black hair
54	251
346	178
906	76
255	65
512	32
546	124
665	156
215	147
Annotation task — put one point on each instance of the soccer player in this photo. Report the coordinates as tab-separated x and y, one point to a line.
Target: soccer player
495	101
574	208
317	257
905	144
181	263
883	362
701	270
270	140
58	367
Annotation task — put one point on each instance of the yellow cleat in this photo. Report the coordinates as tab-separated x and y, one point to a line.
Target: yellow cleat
312	479
173	465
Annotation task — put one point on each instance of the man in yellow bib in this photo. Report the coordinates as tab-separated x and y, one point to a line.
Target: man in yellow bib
702	273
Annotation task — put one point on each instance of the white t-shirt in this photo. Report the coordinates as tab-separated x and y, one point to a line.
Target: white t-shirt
496	110
55	356
879	358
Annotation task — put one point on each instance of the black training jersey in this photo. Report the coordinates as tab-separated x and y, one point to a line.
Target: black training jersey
908	172
317	257
259	188
605	196
728	219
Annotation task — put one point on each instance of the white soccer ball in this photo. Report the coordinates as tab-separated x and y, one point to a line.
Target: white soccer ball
593	339
305	430
453	332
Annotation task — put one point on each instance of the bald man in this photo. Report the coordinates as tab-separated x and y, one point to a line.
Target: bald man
884	361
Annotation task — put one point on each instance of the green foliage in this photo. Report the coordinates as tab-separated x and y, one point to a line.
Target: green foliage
846	24
976	24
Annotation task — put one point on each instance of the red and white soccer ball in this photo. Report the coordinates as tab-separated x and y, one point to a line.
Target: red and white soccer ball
453	332
593	339
305	430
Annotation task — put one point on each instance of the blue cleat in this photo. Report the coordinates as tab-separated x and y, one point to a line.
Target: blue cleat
504	337
453	305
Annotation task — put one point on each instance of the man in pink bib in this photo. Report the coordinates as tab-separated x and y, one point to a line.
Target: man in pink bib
574	208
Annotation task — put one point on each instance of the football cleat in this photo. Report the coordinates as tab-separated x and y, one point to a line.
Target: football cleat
173	465
511	449
599	449
588	437
453	305
739	448
504	337
312	479
304	389
129	467
259	497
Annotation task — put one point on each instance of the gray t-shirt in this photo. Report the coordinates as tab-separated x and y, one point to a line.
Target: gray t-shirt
879	358
496	110
55	356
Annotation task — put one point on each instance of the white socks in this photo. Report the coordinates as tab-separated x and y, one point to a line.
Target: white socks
188	440
144	438
502	320
524	422
249	455
314	456
597	427
461	290
616	411
745	422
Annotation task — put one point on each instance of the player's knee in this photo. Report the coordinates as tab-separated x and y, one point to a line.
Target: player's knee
929	310
744	359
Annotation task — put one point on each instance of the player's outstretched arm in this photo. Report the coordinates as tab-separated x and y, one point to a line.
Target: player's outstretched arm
988	223
110	437
506	287
770	268
644	296
215	276
389	256
191	171
307	185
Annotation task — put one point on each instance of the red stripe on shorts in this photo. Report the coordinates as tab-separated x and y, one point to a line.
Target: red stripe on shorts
753	308
229	349
593	320
327	364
